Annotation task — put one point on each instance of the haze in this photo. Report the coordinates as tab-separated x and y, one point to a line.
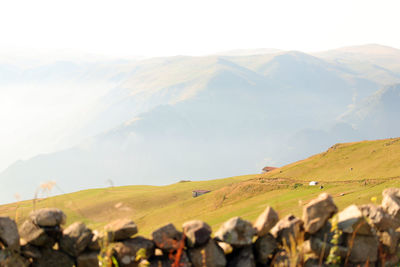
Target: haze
78	74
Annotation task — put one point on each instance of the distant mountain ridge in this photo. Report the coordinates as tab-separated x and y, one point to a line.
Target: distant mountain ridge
167	119
376	116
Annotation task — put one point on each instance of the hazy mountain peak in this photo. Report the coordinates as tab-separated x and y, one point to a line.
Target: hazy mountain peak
368	49
377	115
375	62
299	56
248	52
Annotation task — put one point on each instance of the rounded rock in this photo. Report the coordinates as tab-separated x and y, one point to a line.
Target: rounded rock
236	232
197	232
48	217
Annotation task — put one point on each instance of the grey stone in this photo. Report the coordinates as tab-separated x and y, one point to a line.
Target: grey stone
167	238
324	233
287	229
9	233
321	248
352	220
266	221
264	248
94	243
391	202
39	236
378	218
31	251
210	255
390	240
236	232
197	232
48	217
52	258
88	259
12	259
75	239
121	229
362	248
131	251
317	212
242	257
320	243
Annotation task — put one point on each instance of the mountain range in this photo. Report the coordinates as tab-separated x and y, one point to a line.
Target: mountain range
161	120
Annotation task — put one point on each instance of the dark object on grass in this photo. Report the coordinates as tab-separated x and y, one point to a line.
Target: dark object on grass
196	193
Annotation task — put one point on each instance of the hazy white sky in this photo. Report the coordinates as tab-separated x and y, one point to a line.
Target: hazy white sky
149	27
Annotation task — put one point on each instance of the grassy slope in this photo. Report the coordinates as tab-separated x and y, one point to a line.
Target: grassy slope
247	196
368	159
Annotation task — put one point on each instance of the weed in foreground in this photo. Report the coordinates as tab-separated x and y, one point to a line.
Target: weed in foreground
333	258
106	257
291	254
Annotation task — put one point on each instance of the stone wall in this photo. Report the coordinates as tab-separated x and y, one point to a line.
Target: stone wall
366	235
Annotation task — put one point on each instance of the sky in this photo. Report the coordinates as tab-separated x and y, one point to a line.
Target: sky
122	28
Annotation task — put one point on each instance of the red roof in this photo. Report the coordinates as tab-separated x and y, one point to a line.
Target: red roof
268	169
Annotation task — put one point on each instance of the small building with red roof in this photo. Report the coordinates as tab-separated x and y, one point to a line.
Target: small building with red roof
268	169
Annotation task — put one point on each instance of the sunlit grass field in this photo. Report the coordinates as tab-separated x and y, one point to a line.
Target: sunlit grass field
349	161
351	173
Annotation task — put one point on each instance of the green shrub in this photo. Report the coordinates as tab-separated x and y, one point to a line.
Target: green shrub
297	185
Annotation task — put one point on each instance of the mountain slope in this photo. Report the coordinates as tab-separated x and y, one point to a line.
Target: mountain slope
348	162
384	56
377	116
167	119
374	62
228	125
246	196
292	76
166	144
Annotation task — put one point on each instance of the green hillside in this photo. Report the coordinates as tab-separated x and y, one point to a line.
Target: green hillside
375	166
350	161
